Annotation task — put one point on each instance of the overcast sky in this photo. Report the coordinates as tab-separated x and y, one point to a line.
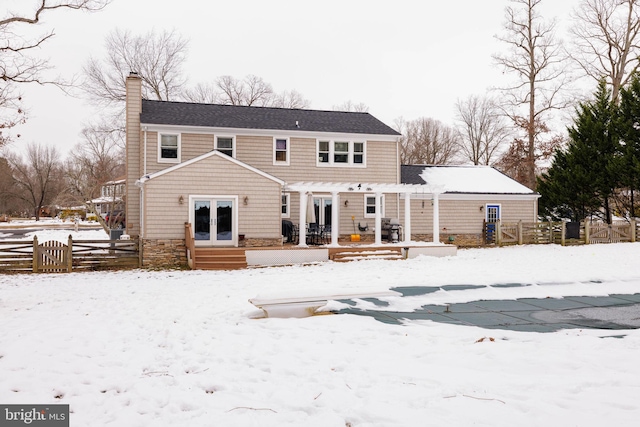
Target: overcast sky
407	58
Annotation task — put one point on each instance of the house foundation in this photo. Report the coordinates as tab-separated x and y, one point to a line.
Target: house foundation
161	253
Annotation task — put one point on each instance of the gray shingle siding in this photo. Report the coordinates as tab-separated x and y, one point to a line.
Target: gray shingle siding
242	117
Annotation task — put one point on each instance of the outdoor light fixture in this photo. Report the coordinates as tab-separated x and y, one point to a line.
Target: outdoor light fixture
346	203
246	200
481	208
181	200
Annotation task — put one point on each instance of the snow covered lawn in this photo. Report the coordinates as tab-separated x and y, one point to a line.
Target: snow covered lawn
180	348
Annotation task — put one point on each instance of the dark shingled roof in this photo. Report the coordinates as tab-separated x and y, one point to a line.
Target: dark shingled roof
410	174
241	117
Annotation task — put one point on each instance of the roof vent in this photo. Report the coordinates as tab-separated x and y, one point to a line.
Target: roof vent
297	125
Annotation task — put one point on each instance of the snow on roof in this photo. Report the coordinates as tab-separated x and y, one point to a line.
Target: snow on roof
469	179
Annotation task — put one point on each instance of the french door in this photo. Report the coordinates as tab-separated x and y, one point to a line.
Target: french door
214	220
322	207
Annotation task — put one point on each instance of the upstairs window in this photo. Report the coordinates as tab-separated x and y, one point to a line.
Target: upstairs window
358	153
168	148
340	153
280	151
225	145
323	151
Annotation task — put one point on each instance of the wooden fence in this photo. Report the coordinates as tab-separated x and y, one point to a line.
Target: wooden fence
562	233
74	255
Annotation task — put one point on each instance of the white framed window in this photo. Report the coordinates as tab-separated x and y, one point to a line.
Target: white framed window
358	153
168	148
226	145
340	153
370	205
285	203
281	151
323	151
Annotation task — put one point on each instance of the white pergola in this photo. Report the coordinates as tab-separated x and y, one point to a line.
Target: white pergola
304	189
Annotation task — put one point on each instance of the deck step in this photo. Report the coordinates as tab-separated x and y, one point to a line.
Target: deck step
220	259
357	254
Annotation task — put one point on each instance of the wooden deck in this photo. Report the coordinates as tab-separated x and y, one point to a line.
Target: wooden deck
239	258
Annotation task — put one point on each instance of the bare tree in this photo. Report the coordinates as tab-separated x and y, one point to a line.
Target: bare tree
427	141
536	59
157	58
203	93
37	177
8	204
510	163
360	107
290	99
18	60
92	163
607	40
483	132
250	91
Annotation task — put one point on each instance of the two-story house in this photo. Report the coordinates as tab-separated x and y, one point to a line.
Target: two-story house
235	172
111	197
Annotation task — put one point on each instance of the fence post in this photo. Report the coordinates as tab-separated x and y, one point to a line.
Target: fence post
563	233
633	230
520	237
586	232
550	231
498	232
70	254
35	254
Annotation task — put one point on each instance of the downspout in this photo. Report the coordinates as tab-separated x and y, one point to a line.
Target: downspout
144	168
140	184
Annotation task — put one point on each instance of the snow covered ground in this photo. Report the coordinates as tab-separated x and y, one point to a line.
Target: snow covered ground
51	229
180	348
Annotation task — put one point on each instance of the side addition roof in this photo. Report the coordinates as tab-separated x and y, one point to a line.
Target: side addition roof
242	117
462	179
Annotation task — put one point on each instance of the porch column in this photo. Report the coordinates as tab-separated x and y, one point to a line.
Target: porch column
378	222
407	217
335	218
436	218
302	228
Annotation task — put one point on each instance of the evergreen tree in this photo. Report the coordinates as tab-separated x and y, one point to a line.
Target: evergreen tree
629	129
584	176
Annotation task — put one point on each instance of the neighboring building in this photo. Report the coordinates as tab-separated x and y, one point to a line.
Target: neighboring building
111	198
468	196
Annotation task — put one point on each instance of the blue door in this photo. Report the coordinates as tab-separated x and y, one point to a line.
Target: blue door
492	217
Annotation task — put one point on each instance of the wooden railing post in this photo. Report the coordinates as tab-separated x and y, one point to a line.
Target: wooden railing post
190	245
563	233
35	254
633	230
498	233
